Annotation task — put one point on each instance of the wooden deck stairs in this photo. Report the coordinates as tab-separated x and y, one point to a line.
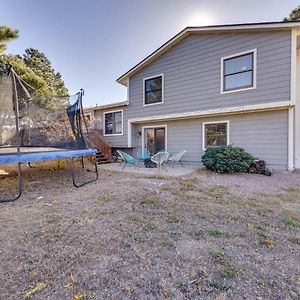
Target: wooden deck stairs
102	145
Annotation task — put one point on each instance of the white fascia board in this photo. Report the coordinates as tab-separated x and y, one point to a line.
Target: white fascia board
106	106
244	26
215	112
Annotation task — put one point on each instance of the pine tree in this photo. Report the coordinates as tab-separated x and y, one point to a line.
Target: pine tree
294	15
25	72
34	68
7	34
41	65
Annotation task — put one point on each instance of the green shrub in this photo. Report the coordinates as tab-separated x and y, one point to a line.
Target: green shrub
227	159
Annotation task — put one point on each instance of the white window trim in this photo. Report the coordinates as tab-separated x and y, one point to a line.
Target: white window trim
254	51
162	89
108	112
214	122
155	126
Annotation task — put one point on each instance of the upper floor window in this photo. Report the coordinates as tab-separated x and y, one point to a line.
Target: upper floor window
215	134
153	90
113	123
239	72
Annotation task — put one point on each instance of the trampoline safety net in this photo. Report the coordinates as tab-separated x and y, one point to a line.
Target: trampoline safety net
38	127
34	122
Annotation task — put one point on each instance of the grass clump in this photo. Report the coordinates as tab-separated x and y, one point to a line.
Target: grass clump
104	212
235	218
138	239
173	219
149	201
196	233
188	184
219	286
295	239
167	244
188	197
290	222
28	293
151	226
183	287
215	233
135	218
229	271
218	253
262	237
291	189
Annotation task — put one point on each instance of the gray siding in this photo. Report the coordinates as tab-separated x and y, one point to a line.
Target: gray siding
192	73
262	134
192	81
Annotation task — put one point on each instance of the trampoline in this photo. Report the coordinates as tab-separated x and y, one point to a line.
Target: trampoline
36	127
9	155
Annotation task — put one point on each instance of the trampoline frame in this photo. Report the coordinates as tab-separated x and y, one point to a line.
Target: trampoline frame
12	73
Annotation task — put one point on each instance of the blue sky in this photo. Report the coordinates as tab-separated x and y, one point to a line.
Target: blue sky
93	42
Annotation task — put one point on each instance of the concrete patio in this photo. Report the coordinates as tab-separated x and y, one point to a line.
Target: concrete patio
171	171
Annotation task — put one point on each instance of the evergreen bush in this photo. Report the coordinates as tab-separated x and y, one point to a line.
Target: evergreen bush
227	159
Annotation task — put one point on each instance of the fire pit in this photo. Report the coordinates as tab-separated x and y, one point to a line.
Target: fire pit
149	163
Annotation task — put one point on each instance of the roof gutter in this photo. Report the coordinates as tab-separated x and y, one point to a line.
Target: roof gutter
105	106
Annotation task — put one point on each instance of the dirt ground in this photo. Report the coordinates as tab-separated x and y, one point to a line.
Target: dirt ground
202	236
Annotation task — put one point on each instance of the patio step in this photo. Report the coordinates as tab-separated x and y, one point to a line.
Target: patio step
101	159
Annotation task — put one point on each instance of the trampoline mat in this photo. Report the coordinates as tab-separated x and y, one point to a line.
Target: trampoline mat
9	155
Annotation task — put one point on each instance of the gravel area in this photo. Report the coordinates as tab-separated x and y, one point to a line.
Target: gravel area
201	236
246	184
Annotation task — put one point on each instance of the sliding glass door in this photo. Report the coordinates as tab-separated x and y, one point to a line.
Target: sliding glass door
154	139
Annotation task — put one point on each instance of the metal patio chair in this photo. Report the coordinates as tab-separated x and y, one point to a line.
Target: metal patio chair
143	154
176	158
160	159
128	160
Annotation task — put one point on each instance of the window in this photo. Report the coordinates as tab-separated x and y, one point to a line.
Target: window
215	134
153	90
113	123
239	72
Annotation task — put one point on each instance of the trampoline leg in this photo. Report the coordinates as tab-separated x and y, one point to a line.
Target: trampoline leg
20	187
82	163
78	185
30	166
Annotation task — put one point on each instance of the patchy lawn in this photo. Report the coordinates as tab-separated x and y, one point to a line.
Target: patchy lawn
127	236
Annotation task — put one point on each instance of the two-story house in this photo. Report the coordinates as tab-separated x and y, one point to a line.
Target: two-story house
211	86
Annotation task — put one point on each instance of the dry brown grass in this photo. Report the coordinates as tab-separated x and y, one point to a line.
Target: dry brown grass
128	236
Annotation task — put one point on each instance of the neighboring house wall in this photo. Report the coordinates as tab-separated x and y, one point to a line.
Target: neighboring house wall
263	134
